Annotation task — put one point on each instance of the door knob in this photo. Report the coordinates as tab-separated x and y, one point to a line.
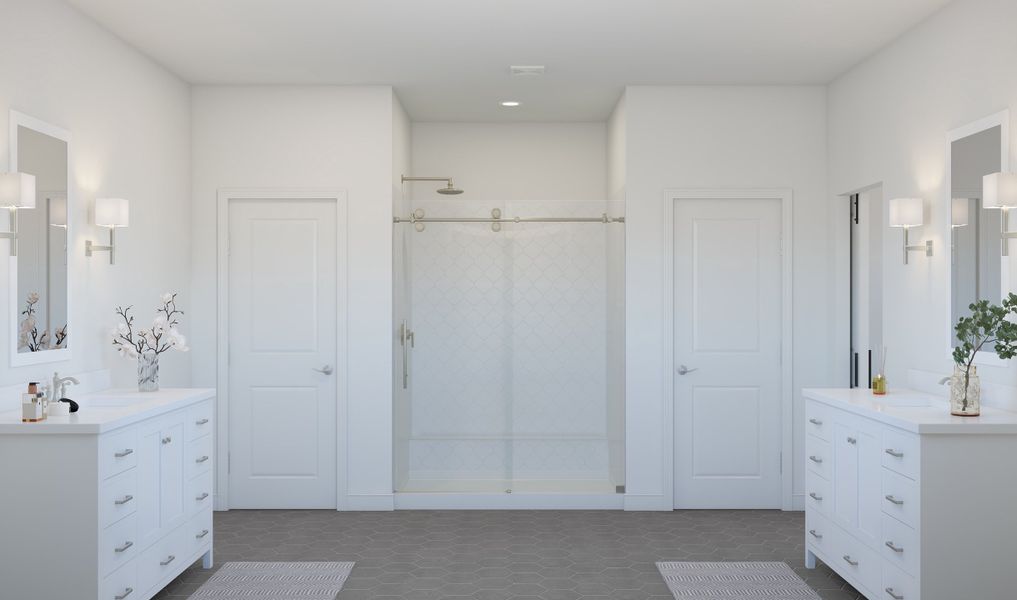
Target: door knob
326	370
683	370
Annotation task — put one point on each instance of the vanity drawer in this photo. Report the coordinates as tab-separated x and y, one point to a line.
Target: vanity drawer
818	457
118	452
900	452
199	420
900	498
854	558
820	533
118	544
817	420
118	497
161	559
900	545
898	585
817	494
199	493
198	458
122	584
197	533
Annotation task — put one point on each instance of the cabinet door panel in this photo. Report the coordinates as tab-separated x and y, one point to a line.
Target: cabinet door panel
870	506
149	449
845	477
171	476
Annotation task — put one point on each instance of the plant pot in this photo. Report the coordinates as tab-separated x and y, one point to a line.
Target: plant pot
148	372
965	392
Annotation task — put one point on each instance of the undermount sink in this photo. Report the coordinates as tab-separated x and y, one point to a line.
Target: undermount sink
110	402
903	400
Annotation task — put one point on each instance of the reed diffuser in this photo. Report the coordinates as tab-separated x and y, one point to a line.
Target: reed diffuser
879	381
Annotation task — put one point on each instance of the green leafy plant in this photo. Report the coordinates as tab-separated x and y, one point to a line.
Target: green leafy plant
988	325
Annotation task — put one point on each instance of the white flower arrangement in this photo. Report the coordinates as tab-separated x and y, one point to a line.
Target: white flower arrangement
161	337
30	339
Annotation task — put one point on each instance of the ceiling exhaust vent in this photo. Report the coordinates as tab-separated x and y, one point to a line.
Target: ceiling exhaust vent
526	70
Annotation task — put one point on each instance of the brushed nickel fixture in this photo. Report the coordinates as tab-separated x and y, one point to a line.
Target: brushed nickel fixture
449	190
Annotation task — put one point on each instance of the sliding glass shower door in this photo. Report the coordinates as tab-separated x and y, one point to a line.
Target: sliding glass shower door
514	366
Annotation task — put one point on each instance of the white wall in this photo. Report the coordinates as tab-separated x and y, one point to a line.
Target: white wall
716	137
130	126
513	161
888	122
323	138
402	164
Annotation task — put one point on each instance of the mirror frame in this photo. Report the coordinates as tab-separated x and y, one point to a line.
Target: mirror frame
21	359
1001	120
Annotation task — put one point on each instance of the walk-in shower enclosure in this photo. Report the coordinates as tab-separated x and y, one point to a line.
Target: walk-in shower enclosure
509	351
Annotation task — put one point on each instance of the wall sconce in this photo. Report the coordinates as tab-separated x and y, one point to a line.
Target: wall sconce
907	213
999	191
112	213
17	191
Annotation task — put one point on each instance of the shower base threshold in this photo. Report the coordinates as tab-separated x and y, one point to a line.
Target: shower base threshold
493	494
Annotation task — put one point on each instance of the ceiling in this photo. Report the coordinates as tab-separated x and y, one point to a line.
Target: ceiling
448	59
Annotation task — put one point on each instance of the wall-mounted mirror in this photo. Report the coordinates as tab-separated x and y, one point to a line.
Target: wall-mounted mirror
977	268
40	285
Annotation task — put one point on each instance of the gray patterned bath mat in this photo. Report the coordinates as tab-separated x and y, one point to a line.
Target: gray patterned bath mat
734	580
276	581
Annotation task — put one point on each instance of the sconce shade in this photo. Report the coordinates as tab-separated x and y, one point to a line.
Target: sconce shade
17	190
999	190
959	212
906	212
112	212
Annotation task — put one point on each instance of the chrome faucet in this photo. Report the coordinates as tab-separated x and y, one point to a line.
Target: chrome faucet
60	385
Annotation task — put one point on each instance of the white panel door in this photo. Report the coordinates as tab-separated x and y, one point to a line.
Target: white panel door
727	379
282	345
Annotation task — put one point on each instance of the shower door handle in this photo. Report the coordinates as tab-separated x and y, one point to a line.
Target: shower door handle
405	335
683	370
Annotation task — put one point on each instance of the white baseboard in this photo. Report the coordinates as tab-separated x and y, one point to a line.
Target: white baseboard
798	501
444	501
369	502
640	502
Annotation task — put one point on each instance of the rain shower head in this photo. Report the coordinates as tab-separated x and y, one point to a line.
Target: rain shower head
449	190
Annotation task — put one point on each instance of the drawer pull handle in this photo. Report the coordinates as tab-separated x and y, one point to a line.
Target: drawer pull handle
816	422
126	452
123	500
127	592
894	594
850	561
813	533
167	440
203	533
816	460
815	496
894	548
852	440
168	560
123	548
891	499
894	453
201	460
201	422
201	497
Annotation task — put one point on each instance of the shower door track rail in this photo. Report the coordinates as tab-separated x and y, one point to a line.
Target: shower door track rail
602	219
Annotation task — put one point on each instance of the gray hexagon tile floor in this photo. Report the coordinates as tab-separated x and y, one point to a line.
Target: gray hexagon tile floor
510	555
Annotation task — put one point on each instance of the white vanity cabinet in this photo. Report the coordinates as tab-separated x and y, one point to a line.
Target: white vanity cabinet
111	503
908	502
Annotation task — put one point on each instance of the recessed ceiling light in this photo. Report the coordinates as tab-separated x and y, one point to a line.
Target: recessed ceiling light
510	103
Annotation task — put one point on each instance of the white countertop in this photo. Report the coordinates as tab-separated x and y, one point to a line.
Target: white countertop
106	410
932	419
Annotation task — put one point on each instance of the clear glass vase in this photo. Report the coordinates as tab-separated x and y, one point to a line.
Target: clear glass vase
148	372
965	392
